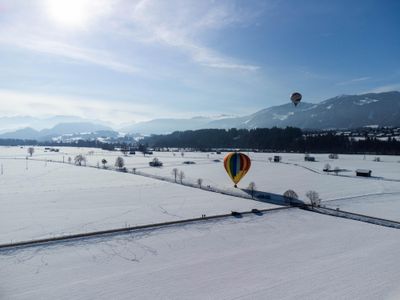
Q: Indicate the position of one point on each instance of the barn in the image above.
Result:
(363, 172)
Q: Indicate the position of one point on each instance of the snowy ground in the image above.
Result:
(290, 254)
(385, 206)
(50, 199)
(293, 173)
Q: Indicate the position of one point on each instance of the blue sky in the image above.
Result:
(125, 61)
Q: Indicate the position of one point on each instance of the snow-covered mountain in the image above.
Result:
(161, 126)
(345, 111)
(76, 129)
(13, 123)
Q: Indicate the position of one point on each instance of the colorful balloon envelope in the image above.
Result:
(296, 98)
(236, 165)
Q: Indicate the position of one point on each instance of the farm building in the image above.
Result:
(363, 173)
(309, 158)
(155, 163)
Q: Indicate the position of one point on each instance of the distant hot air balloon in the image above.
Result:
(296, 98)
(236, 165)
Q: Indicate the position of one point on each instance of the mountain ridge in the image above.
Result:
(340, 112)
(343, 111)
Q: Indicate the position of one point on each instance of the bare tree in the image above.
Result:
(175, 173)
(134, 170)
(314, 198)
(182, 154)
(199, 182)
(251, 188)
(181, 175)
(69, 159)
(270, 159)
(79, 159)
(289, 196)
(104, 162)
(327, 168)
(143, 148)
(119, 162)
(31, 150)
(125, 151)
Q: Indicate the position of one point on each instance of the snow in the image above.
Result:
(291, 254)
(385, 206)
(51, 199)
(310, 108)
(287, 254)
(293, 173)
(365, 101)
(283, 117)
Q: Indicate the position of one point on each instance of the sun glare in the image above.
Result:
(69, 13)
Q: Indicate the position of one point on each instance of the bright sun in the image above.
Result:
(69, 13)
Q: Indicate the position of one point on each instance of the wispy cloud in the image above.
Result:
(41, 105)
(181, 28)
(354, 80)
(44, 45)
(177, 24)
(385, 88)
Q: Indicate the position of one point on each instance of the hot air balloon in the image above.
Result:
(236, 165)
(296, 98)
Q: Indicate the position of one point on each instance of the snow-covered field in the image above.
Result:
(55, 199)
(385, 206)
(290, 254)
(293, 173)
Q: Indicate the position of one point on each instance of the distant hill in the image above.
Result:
(72, 129)
(341, 112)
(167, 125)
(8, 124)
(345, 111)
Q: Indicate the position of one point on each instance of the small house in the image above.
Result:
(277, 158)
(155, 163)
(309, 158)
(363, 173)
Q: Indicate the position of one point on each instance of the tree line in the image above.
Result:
(262, 138)
(288, 139)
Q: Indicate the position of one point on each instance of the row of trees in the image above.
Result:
(262, 138)
(274, 139)
(80, 160)
(291, 196)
